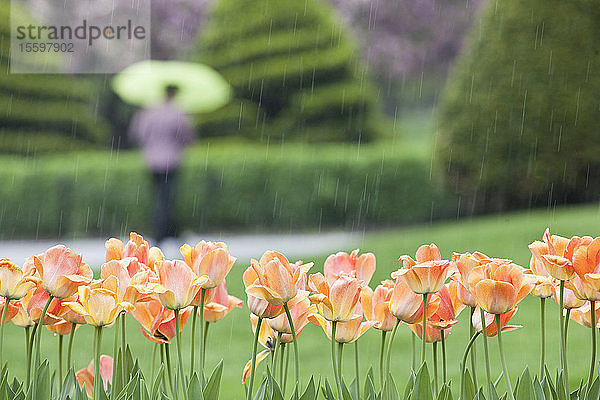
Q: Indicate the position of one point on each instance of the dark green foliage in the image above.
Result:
(521, 114)
(294, 71)
(231, 186)
(42, 112)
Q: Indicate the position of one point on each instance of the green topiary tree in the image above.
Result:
(520, 116)
(45, 113)
(294, 71)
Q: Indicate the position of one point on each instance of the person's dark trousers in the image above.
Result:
(164, 184)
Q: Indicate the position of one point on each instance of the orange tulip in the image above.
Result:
(448, 309)
(363, 266)
(85, 376)
(300, 311)
(428, 273)
(336, 302)
(544, 285)
(276, 279)
(554, 256)
(99, 307)
(21, 317)
(570, 301)
(259, 307)
(490, 322)
(60, 328)
(583, 316)
(36, 301)
(465, 263)
(14, 282)
(11, 312)
(210, 259)
(499, 287)
(221, 304)
(178, 285)
(136, 247)
(407, 306)
(586, 264)
(345, 332)
(61, 271)
(158, 322)
(376, 305)
(129, 288)
(432, 334)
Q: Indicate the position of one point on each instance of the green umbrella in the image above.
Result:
(201, 89)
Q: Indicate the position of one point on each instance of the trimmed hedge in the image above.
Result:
(225, 186)
(295, 67)
(521, 114)
(45, 113)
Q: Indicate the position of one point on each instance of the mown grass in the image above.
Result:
(505, 235)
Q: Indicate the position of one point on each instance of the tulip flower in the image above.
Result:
(301, 311)
(428, 273)
(86, 376)
(259, 307)
(345, 332)
(14, 282)
(61, 271)
(99, 307)
(336, 302)
(362, 266)
(129, 288)
(407, 306)
(158, 322)
(221, 304)
(211, 259)
(177, 285)
(490, 323)
(376, 305)
(136, 247)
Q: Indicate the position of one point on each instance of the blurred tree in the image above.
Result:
(520, 116)
(45, 113)
(294, 71)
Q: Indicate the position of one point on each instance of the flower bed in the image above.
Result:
(57, 289)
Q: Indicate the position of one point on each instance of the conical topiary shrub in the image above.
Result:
(294, 70)
(43, 112)
(520, 117)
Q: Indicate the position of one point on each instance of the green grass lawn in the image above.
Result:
(504, 235)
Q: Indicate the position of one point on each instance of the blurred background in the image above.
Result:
(346, 115)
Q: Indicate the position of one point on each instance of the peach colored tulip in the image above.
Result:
(136, 247)
(14, 282)
(586, 264)
(428, 273)
(22, 317)
(60, 328)
(554, 256)
(570, 301)
(300, 312)
(363, 266)
(155, 255)
(345, 332)
(129, 288)
(499, 287)
(583, 316)
(222, 303)
(210, 259)
(544, 285)
(376, 305)
(99, 307)
(336, 302)
(407, 306)
(259, 307)
(12, 311)
(448, 309)
(465, 263)
(158, 322)
(586, 288)
(86, 375)
(490, 322)
(276, 279)
(36, 301)
(432, 334)
(178, 285)
(61, 271)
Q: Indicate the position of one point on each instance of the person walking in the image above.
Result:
(162, 132)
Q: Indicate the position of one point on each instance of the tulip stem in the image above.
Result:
(179, 378)
(70, 345)
(124, 368)
(296, 360)
(30, 354)
(60, 360)
(339, 363)
(193, 348)
(206, 326)
(473, 349)
(202, 349)
(281, 353)
(333, 361)
(4, 311)
(502, 358)
(424, 329)
(116, 350)
(435, 370)
(443, 357)
(563, 357)
(464, 364)
(38, 338)
(274, 353)
(162, 363)
(254, 345)
(169, 372)
(593, 325)
(413, 361)
(389, 350)
(488, 374)
(543, 336)
(153, 365)
(98, 382)
(357, 366)
(285, 372)
(381, 352)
